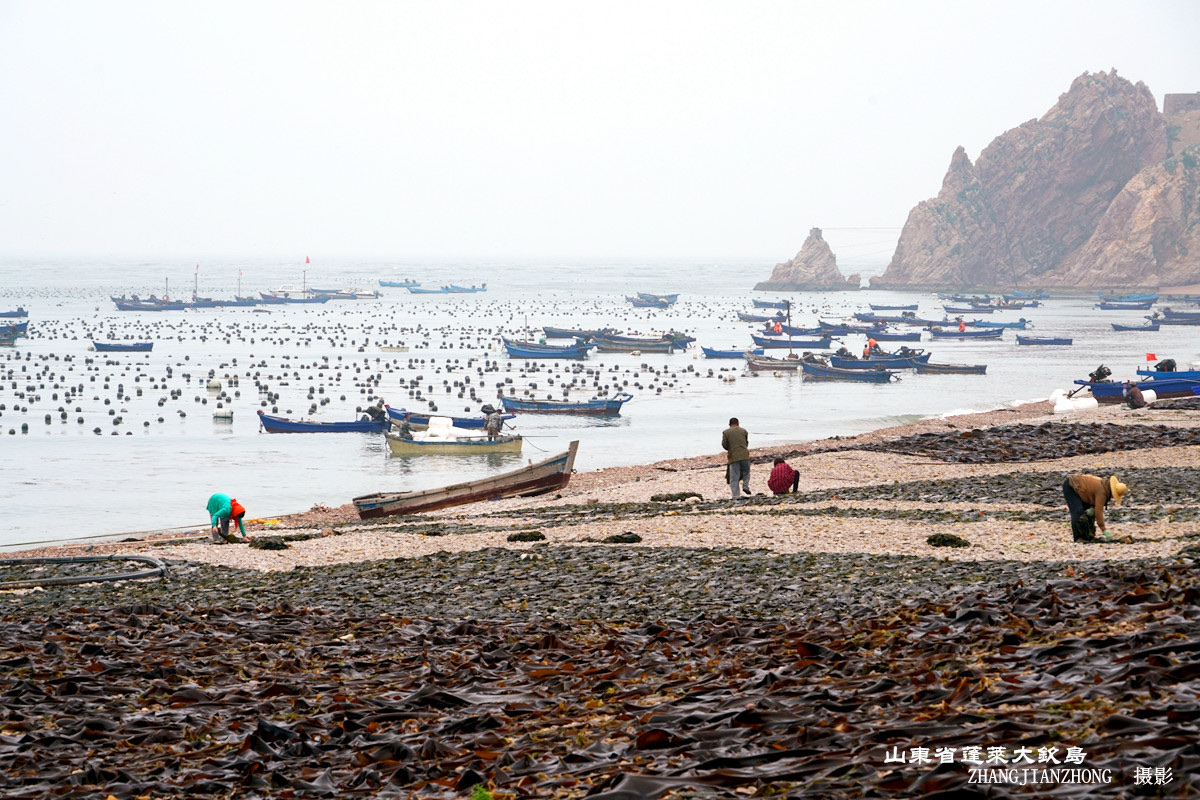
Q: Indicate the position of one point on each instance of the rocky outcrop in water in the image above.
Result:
(814, 269)
(1081, 197)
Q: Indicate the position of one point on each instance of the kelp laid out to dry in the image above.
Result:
(276, 701)
(1018, 443)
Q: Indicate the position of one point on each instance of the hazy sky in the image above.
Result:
(607, 129)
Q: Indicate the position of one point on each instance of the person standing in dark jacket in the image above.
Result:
(735, 441)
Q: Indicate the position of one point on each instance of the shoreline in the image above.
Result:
(589, 508)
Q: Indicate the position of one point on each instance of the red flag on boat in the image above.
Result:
(306, 261)
(1151, 357)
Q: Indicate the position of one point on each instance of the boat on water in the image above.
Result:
(273, 424)
(878, 307)
(900, 359)
(1152, 326)
(1114, 305)
(604, 406)
(573, 333)
(418, 421)
(1019, 325)
(545, 476)
(347, 294)
(14, 329)
(710, 352)
(986, 333)
(1183, 374)
(640, 302)
(947, 369)
(895, 336)
(744, 317)
(817, 368)
(525, 349)
(783, 304)
(968, 309)
(757, 363)
(1164, 388)
(468, 289)
(152, 303)
(20, 312)
(1043, 340)
(393, 348)
(442, 438)
(904, 318)
(612, 343)
(1143, 297)
(122, 347)
(1035, 295)
(666, 298)
(783, 343)
(404, 284)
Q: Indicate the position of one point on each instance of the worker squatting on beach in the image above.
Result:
(221, 509)
(1086, 496)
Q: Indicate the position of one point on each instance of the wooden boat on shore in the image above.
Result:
(418, 421)
(545, 476)
(950, 369)
(122, 347)
(1043, 340)
(393, 348)
(272, 424)
(605, 406)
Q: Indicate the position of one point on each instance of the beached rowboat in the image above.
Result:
(545, 476)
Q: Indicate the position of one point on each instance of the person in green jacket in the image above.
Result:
(735, 441)
(221, 509)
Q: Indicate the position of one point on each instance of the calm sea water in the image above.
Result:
(155, 470)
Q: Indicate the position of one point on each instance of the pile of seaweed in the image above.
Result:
(1050, 440)
(274, 700)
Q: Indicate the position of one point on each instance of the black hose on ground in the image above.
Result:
(158, 568)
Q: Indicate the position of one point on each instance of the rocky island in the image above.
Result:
(814, 269)
(1102, 191)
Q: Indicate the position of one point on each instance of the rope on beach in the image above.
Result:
(157, 568)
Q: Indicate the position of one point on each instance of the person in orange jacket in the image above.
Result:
(1089, 493)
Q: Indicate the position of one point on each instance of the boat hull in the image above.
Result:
(471, 446)
(130, 347)
(988, 333)
(608, 407)
(420, 421)
(273, 424)
(1043, 340)
(1114, 391)
(546, 476)
(951, 369)
(822, 372)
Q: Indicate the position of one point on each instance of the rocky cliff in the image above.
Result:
(1080, 197)
(813, 269)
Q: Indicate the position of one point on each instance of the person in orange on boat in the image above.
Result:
(222, 508)
(962, 326)
(783, 478)
(778, 327)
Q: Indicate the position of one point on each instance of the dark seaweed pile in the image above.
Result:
(614, 672)
(1018, 443)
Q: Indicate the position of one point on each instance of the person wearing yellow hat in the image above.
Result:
(1085, 493)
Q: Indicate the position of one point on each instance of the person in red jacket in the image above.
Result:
(783, 478)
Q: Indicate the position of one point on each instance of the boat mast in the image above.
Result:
(787, 304)
(196, 284)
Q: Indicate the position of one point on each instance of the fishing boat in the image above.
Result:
(440, 290)
(456, 289)
(1114, 305)
(896, 360)
(604, 406)
(1182, 319)
(418, 421)
(442, 438)
(347, 294)
(986, 333)
(894, 336)
(744, 317)
(519, 349)
(122, 347)
(905, 318)
(20, 312)
(666, 298)
(1035, 295)
(14, 328)
(150, 304)
(613, 343)
(1183, 374)
(1019, 325)
(757, 363)
(814, 368)
(781, 304)
(777, 343)
(573, 333)
(272, 424)
(968, 309)
(1164, 388)
(710, 352)
(7, 340)
(1152, 326)
(1127, 298)
(878, 307)
(404, 284)
(639, 302)
(946, 369)
(1043, 340)
(545, 476)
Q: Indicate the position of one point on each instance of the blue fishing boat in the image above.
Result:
(267, 298)
(1019, 325)
(1164, 388)
(1153, 326)
(891, 336)
(604, 406)
(1043, 340)
(783, 304)
(122, 347)
(518, 349)
(782, 342)
(897, 360)
(1113, 305)
(573, 333)
(14, 328)
(1036, 295)
(1183, 374)
(418, 420)
(1182, 319)
(439, 290)
(878, 307)
(616, 343)
(710, 352)
(905, 318)
(273, 424)
(640, 302)
(986, 333)
(665, 298)
(816, 369)
(968, 309)
(20, 312)
(404, 284)
(1171, 313)
(929, 367)
(744, 317)
(472, 289)
(1127, 298)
